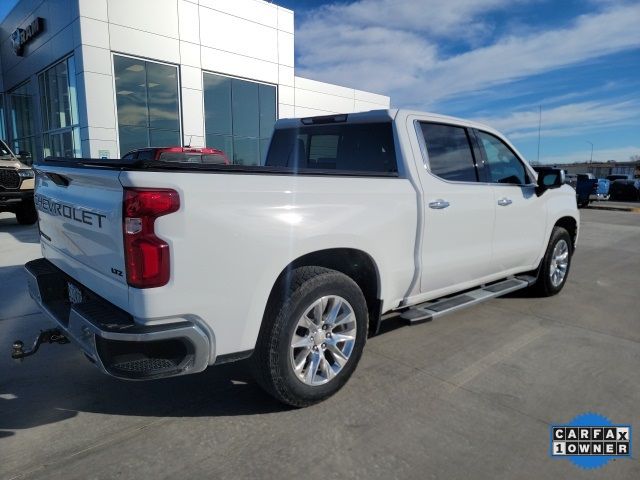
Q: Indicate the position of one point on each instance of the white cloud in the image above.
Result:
(434, 17)
(390, 47)
(569, 119)
(621, 154)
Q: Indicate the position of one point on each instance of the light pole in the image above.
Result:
(591, 159)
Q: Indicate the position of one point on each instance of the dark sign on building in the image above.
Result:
(21, 36)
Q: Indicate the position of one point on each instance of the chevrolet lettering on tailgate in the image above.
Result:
(77, 214)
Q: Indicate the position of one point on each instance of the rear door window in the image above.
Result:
(449, 152)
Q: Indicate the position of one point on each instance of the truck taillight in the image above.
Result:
(147, 257)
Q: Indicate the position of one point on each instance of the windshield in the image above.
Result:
(5, 152)
(190, 157)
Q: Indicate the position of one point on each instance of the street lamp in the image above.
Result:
(591, 160)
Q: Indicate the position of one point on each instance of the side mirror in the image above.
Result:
(24, 154)
(549, 178)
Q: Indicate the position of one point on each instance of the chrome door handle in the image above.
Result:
(439, 204)
(503, 202)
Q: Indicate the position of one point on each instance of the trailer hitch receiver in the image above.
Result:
(53, 335)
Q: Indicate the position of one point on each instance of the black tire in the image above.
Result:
(26, 214)
(544, 286)
(271, 361)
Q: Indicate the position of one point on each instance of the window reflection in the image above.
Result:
(21, 122)
(245, 107)
(147, 101)
(239, 117)
(59, 109)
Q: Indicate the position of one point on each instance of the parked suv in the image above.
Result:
(16, 186)
(618, 176)
(179, 154)
(628, 190)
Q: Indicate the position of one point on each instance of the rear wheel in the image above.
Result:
(312, 340)
(26, 213)
(554, 268)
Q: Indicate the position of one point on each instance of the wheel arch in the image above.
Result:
(354, 263)
(570, 224)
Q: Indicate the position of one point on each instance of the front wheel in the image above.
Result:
(312, 340)
(554, 268)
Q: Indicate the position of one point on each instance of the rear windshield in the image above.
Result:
(190, 157)
(339, 148)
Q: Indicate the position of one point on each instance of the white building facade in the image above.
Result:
(97, 78)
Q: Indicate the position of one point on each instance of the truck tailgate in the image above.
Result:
(80, 220)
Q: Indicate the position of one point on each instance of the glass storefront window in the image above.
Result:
(239, 117)
(3, 130)
(147, 101)
(59, 108)
(23, 140)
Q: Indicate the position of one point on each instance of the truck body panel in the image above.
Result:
(238, 228)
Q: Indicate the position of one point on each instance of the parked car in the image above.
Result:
(602, 190)
(625, 190)
(179, 154)
(16, 185)
(165, 271)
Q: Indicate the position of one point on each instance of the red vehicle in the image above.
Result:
(179, 154)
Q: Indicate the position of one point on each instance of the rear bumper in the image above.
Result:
(14, 198)
(109, 336)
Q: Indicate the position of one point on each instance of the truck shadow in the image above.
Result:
(22, 233)
(51, 391)
(58, 383)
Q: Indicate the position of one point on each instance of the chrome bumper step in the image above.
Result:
(425, 312)
(109, 336)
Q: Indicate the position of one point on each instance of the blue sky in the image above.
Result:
(491, 60)
(5, 7)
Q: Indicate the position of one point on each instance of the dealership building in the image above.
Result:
(97, 78)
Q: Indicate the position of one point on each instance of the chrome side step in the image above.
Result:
(425, 312)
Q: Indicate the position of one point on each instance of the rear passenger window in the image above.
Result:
(449, 152)
(502, 164)
(342, 147)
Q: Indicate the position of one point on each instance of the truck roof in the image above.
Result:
(373, 116)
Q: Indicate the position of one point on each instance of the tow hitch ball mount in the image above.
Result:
(46, 336)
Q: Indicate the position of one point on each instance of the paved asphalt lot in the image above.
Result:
(468, 396)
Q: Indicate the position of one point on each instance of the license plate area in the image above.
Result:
(74, 294)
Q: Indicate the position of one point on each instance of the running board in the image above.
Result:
(425, 312)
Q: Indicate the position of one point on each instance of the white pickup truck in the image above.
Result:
(158, 269)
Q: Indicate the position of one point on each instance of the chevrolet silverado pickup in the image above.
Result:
(16, 186)
(156, 269)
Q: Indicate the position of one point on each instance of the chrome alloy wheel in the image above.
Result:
(323, 340)
(559, 263)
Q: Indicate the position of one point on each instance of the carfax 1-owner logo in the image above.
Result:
(590, 440)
